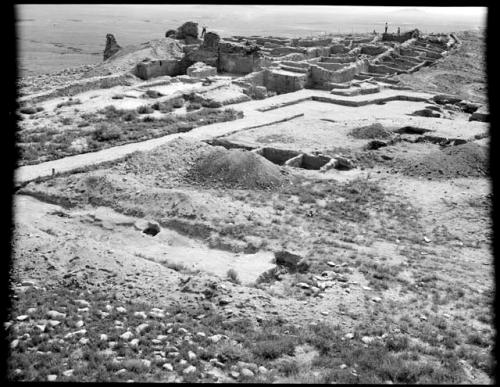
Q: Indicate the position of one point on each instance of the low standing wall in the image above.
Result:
(321, 76)
(157, 68)
(124, 79)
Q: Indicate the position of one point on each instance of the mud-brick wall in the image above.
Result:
(338, 49)
(321, 77)
(284, 83)
(314, 52)
(311, 42)
(157, 68)
(256, 78)
(279, 51)
(238, 63)
(332, 66)
(338, 59)
(123, 79)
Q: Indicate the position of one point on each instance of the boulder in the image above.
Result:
(112, 47)
(187, 29)
(468, 107)
(170, 34)
(480, 115)
(426, 113)
(444, 99)
(291, 260)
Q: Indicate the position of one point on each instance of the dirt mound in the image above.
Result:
(127, 57)
(177, 155)
(237, 168)
(467, 160)
(375, 130)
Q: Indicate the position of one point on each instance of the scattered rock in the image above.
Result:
(51, 378)
(189, 370)
(247, 373)
(139, 329)
(367, 339)
(53, 314)
(141, 314)
(127, 335)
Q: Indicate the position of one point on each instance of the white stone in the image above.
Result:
(68, 373)
(83, 340)
(103, 337)
(22, 317)
(168, 367)
(134, 342)
(51, 378)
(367, 339)
(139, 329)
(141, 314)
(127, 335)
(121, 309)
(54, 314)
(189, 370)
(247, 373)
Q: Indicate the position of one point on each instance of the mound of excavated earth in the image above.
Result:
(237, 168)
(127, 57)
(467, 160)
(375, 130)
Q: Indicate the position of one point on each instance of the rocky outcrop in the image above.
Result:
(170, 33)
(189, 32)
(112, 47)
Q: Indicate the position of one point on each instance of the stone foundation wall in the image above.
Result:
(311, 42)
(337, 59)
(338, 49)
(78, 87)
(284, 83)
(238, 64)
(157, 68)
(331, 66)
(321, 76)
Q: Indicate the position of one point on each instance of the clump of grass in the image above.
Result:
(232, 276)
(193, 106)
(478, 340)
(153, 94)
(69, 102)
(145, 109)
(66, 120)
(274, 347)
(106, 133)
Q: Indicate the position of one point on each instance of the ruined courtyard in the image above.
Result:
(256, 209)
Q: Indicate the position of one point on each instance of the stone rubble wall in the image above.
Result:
(321, 76)
(123, 79)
